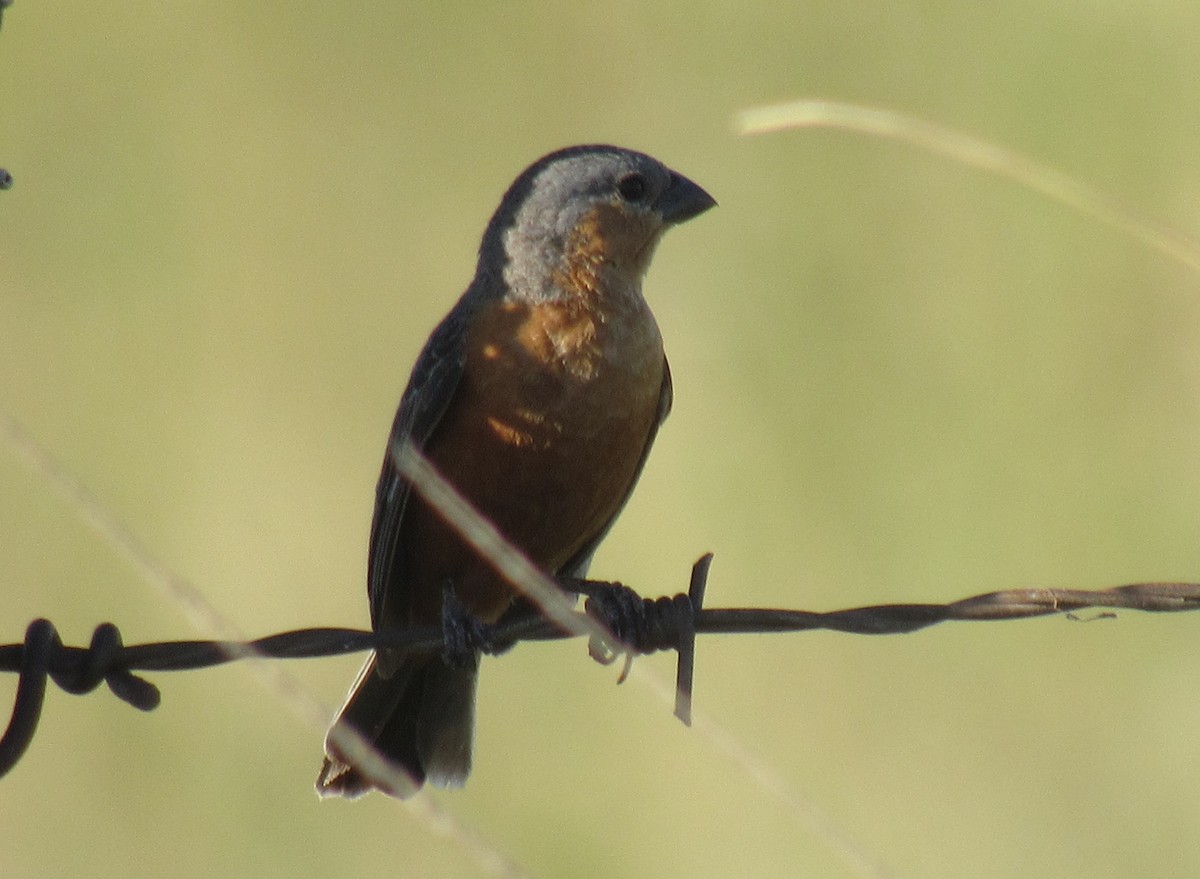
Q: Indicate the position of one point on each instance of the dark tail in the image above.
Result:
(421, 719)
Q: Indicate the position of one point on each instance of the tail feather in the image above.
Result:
(446, 723)
(421, 719)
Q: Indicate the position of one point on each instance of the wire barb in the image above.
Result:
(647, 625)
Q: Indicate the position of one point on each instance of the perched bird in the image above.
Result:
(538, 397)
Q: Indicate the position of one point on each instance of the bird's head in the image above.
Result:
(586, 220)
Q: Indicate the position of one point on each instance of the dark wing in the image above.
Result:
(430, 388)
(577, 565)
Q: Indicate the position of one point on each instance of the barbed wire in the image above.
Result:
(637, 625)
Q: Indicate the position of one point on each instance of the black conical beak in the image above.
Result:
(682, 200)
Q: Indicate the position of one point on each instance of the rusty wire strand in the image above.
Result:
(639, 626)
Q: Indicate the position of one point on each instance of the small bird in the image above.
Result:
(538, 397)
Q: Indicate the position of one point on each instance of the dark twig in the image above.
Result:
(640, 625)
(5, 178)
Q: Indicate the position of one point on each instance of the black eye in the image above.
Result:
(632, 187)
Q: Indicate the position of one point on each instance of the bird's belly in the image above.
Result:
(544, 441)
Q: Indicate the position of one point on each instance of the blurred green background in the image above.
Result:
(897, 379)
